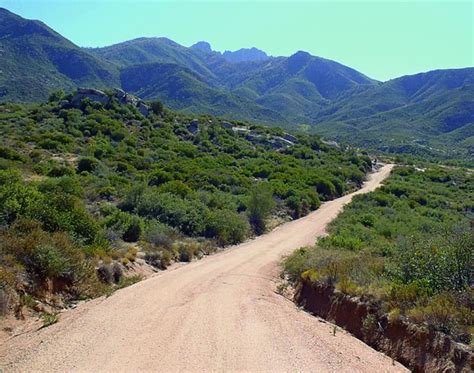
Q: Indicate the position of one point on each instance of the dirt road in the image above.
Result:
(217, 314)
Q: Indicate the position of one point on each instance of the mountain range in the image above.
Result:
(427, 113)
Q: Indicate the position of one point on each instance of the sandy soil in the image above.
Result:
(218, 314)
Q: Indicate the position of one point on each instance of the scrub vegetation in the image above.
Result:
(409, 245)
(86, 191)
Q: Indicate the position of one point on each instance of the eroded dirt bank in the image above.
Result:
(218, 314)
(418, 348)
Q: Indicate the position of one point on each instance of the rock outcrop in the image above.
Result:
(203, 46)
(104, 98)
(193, 126)
(258, 138)
(91, 94)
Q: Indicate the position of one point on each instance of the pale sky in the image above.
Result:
(382, 39)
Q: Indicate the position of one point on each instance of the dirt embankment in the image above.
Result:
(418, 348)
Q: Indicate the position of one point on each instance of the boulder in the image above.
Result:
(90, 93)
(193, 126)
(291, 138)
(284, 141)
(134, 123)
(43, 308)
(227, 125)
(119, 93)
(143, 109)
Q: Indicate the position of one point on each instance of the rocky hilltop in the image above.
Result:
(104, 98)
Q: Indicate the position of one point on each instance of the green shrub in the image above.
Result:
(260, 206)
(157, 107)
(129, 227)
(445, 313)
(297, 263)
(59, 171)
(48, 262)
(42, 254)
(345, 242)
(133, 197)
(406, 295)
(187, 251)
(186, 215)
(325, 188)
(227, 227)
(49, 319)
(367, 220)
(87, 164)
(11, 154)
(134, 230)
(159, 234)
(159, 177)
(107, 192)
(158, 258)
(176, 187)
(369, 326)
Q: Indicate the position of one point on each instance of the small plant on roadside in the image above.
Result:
(369, 325)
(49, 319)
(282, 287)
(27, 301)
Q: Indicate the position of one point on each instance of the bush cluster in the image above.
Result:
(92, 180)
(409, 244)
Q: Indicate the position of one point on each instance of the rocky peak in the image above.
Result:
(203, 46)
(245, 54)
(298, 60)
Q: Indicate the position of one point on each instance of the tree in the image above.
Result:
(157, 107)
(260, 205)
(56, 96)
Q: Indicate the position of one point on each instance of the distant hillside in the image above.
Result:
(185, 90)
(280, 89)
(148, 50)
(245, 83)
(426, 114)
(36, 60)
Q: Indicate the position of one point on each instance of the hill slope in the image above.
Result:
(428, 114)
(36, 60)
(87, 180)
(296, 87)
(183, 89)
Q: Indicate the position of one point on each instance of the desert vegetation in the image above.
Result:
(85, 190)
(408, 245)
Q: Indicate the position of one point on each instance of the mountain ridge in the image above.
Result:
(429, 112)
(40, 60)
